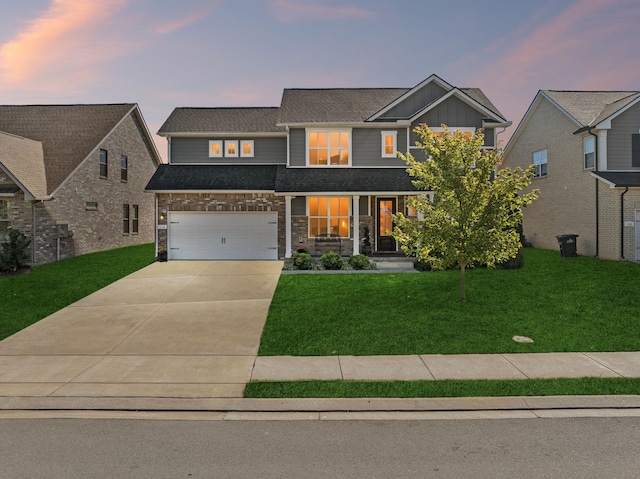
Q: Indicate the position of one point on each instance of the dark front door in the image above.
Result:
(386, 207)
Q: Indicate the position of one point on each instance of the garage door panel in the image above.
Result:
(206, 235)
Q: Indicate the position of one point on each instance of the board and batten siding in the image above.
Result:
(415, 102)
(452, 112)
(619, 139)
(297, 141)
(196, 150)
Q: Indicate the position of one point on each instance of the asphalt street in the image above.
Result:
(541, 448)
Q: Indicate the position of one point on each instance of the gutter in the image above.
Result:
(595, 166)
(626, 189)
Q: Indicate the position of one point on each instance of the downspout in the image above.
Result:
(595, 165)
(622, 222)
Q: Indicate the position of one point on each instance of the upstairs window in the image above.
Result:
(389, 146)
(468, 132)
(328, 148)
(589, 152)
(540, 160)
(329, 216)
(246, 148)
(124, 165)
(231, 148)
(103, 163)
(215, 149)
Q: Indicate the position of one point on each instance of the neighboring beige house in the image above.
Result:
(72, 177)
(586, 148)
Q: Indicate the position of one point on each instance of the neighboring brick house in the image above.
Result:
(72, 177)
(586, 148)
(312, 173)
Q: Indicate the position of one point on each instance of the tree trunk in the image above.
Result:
(463, 295)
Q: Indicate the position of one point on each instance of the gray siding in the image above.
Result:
(415, 102)
(196, 150)
(367, 147)
(619, 139)
(297, 140)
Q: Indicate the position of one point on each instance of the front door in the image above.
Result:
(386, 207)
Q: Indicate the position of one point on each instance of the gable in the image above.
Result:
(23, 161)
(412, 104)
(68, 133)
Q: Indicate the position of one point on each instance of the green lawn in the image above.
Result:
(28, 298)
(564, 304)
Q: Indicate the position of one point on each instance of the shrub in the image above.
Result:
(332, 260)
(13, 252)
(301, 261)
(359, 261)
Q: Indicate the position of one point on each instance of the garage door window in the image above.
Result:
(329, 216)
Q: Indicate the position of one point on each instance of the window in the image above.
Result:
(103, 163)
(134, 219)
(540, 160)
(123, 168)
(231, 148)
(468, 132)
(91, 206)
(389, 148)
(215, 149)
(411, 211)
(125, 219)
(328, 148)
(329, 216)
(589, 152)
(5, 219)
(246, 148)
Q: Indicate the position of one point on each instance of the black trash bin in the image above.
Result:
(568, 247)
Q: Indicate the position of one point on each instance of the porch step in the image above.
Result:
(394, 265)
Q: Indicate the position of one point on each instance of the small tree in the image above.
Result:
(474, 213)
(13, 252)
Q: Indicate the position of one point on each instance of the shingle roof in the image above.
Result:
(620, 179)
(68, 132)
(334, 104)
(278, 178)
(25, 161)
(591, 107)
(224, 120)
(478, 95)
(213, 177)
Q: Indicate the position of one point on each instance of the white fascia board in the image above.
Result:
(349, 193)
(209, 192)
(433, 78)
(605, 181)
(216, 134)
(525, 119)
(27, 193)
(349, 124)
(541, 92)
(462, 96)
(606, 123)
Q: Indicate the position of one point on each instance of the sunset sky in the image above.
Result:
(163, 54)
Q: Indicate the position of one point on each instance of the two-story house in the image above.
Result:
(72, 177)
(586, 148)
(259, 183)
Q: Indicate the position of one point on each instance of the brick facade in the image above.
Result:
(93, 230)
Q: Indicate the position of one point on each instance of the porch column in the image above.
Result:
(356, 224)
(287, 233)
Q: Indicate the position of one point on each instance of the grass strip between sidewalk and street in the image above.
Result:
(28, 298)
(443, 389)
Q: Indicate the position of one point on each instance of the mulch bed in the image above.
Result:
(19, 271)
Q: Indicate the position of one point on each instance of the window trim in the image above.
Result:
(329, 216)
(227, 144)
(242, 144)
(104, 163)
(124, 172)
(546, 162)
(585, 152)
(452, 129)
(220, 148)
(125, 219)
(308, 132)
(394, 135)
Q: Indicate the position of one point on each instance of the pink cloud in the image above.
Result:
(290, 11)
(188, 19)
(59, 40)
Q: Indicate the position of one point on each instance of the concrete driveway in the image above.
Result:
(177, 329)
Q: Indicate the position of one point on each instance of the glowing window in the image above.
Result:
(246, 148)
(329, 216)
(231, 148)
(389, 147)
(215, 149)
(328, 148)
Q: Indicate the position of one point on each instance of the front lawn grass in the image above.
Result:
(563, 304)
(443, 389)
(26, 299)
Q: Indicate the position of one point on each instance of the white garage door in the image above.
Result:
(220, 235)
